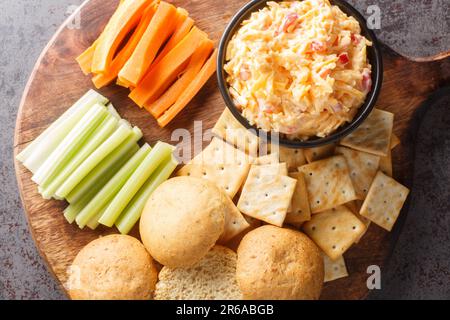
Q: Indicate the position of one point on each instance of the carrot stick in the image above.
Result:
(182, 29)
(85, 59)
(103, 79)
(194, 87)
(126, 17)
(161, 75)
(196, 62)
(160, 28)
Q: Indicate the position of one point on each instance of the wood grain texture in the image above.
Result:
(57, 82)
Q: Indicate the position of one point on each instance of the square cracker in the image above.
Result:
(319, 153)
(235, 223)
(395, 141)
(354, 207)
(334, 231)
(220, 163)
(334, 269)
(328, 183)
(294, 158)
(373, 135)
(384, 201)
(230, 130)
(363, 168)
(271, 158)
(386, 164)
(266, 196)
(299, 210)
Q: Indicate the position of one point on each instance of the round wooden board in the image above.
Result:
(57, 82)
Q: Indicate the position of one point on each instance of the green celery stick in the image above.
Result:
(70, 145)
(101, 133)
(113, 111)
(35, 154)
(134, 209)
(135, 182)
(94, 159)
(108, 167)
(93, 223)
(112, 187)
(101, 178)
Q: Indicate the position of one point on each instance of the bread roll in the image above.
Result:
(113, 267)
(182, 221)
(276, 263)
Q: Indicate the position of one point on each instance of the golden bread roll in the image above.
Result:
(182, 221)
(279, 264)
(114, 267)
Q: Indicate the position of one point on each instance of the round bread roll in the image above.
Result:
(114, 267)
(279, 264)
(182, 220)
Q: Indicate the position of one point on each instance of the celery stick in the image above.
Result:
(94, 159)
(93, 223)
(134, 209)
(107, 167)
(35, 154)
(113, 111)
(112, 187)
(101, 133)
(101, 178)
(70, 145)
(135, 182)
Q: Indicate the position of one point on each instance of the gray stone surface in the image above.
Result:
(25, 28)
(420, 265)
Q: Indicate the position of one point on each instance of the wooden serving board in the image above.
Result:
(57, 82)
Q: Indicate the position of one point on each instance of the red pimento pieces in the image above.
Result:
(290, 22)
(245, 73)
(356, 39)
(343, 58)
(367, 80)
(318, 46)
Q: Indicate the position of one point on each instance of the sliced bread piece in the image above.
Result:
(213, 278)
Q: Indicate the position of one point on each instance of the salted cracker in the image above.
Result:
(384, 201)
(299, 210)
(355, 206)
(363, 168)
(319, 153)
(373, 135)
(266, 196)
(220, 163)
(334, 231)
(328, 183)
(395, 141)
(294, 158)
(235, 223)
(334, 269)
(271, 158)
(230, 130)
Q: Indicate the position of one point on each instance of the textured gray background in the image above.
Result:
(417, 270)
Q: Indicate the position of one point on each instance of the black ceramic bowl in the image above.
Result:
(374, 55)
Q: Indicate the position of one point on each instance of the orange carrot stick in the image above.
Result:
(182, 29)
(126, 17)
(160, 28)
(85, 59)
(207, 71)
(103, 79)
(196, 62)
(161, 75)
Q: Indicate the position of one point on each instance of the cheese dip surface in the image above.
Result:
(299, 68)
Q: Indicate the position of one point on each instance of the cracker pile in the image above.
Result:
(332, 193)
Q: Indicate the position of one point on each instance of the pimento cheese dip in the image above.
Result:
(299, 68)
